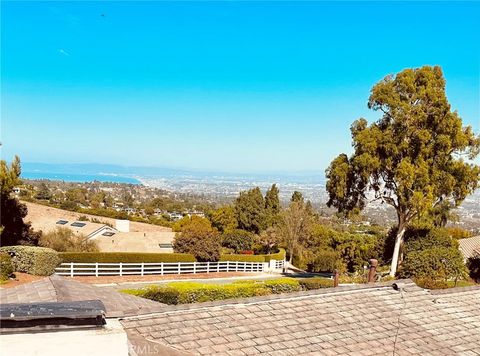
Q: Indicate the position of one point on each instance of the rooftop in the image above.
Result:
(470, 246)
(61, 289)
(355, 320)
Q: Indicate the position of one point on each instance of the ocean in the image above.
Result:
(70, 177)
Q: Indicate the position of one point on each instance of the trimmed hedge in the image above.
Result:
(280, 255)
(6, 266)
(39, 261)
(193, 292)
(315, 283)
(137, 257)
(243, 258)
(125, 257)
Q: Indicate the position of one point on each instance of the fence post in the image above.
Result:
(96, 269)
(228, 266)
(121, 269)
(71, 269)
(208, 267)
(218, 266)
(161, 268)
(236, 266)
(335, 278)
(142, 269)
(179, 267)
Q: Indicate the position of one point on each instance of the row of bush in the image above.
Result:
(192, 292)
(133, 257)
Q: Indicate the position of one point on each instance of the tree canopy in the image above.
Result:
(14, 230)
(414, 158)
(250, 210)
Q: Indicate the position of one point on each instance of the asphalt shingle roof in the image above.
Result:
(358, 320)
(470, 247)
(62, 289)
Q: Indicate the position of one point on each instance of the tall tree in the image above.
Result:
(223, 219)
(295, 224)
(14, 231)
(272, 205)
(297, 196)
(412, 158)
(250, 210)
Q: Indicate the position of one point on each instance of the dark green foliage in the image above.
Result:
(238, 240)
(199, 239)
(6, 266)
(280, 255)
(325, 261)
(272, 205)
(125, 257)
(242, 258)
(436, 263)
(473, 265)
(223, 219)
(315, 283)
(297, 197)
(13, 230)
(282, 285)
(39, 261)
(250, 211)
(43, 192)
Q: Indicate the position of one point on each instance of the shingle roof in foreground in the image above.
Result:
(63, 289)
(358, 320)
(470, 247)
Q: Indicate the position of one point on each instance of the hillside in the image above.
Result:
(43, 218)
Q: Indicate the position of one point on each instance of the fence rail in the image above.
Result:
(141, 269)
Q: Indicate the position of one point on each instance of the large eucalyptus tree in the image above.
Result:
(417, 156)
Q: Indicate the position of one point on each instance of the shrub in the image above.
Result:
(63, 239)
(430, 283)
(6, 266)
(238, 240)
(437, 263)
(473, 265)
(315, 283)
(282, 285)
(40, 261)
(325, 261)
(199, 239)
(126, 257)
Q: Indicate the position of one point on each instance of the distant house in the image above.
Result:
(89, 229)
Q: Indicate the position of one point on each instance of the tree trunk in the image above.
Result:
(396, 250)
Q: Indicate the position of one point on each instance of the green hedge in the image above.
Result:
(39, 261)
(125, 257)
(6, 266)
(315, 283)
(193, 292)
(243, 258)
(280, 255)
(132, 257)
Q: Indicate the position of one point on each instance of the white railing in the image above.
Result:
(141, 269)
(279, 264)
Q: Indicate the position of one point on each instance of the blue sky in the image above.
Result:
(226, 86)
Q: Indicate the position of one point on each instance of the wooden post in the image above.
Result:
(71, 269)
(236, 266)
(161, 268)
(121, 269)
(335, 277)
(142, 269)
(208, 267)
(373, 270)
(194, 267)
(96, 269)
(179, 267)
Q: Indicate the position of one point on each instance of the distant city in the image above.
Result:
(225, 185)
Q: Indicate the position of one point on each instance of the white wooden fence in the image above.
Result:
(162, 268)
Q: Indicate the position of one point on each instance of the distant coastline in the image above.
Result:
(81, 178)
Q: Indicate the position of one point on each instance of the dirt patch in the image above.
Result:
(20, 278)
(123, 279)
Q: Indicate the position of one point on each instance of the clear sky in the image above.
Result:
(226, 86)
